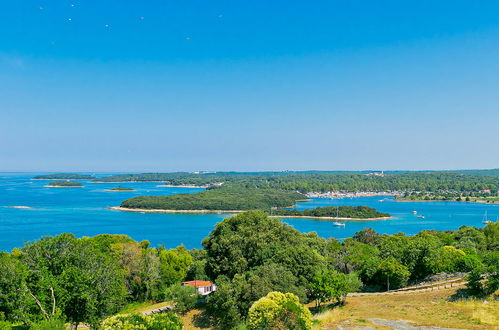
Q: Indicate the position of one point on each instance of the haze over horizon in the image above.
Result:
(229, 85)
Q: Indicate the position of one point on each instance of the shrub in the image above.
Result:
(279, 311)
(168, 321)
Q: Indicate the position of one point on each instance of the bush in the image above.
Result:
(168, 321)
(279, 311)
(185, 298)
(49, 325)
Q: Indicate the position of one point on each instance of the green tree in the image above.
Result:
(392, 273)
(173, 266)
(279, 311)
(332, 285)
(229, 304)
(69, 277)
(15, 304)
(252, 239)
(184, 298)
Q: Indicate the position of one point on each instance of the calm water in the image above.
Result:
(82, 211)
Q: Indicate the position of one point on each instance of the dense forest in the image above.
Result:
(64, 176)
(65, 184)
(359, 212)
(261, 266)
(304, 182)
(223, 198)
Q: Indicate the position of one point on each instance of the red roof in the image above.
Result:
(197, 283)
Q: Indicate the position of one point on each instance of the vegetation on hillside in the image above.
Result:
(64, 176)
(65, 184)
(65, 279)
(224, 198)
(430, 182)
(358, 212)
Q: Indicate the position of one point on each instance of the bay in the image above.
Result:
(83, 212)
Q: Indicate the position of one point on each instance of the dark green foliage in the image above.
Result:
(183, 297)
(252, 239)
(72, 278)
(224, 198)
(361, 212)
(391, 272)
(197, 269)
(330, 285)
(64, 176)
(429, 182)
(65, 184)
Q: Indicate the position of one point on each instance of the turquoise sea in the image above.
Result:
(83, 211)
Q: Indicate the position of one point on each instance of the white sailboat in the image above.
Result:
(486, 218)
(336, 223)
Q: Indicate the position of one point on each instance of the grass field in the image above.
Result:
(434, 308)
(425, 308)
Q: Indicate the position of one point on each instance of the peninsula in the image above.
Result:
(64, 176)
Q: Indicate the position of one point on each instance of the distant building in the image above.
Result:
(382, 173)
(204, 287)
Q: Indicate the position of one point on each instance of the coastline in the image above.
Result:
(181, 186)
(125, 209)
(334, 194)
(331, 218)
(49, 186)
(441, 200)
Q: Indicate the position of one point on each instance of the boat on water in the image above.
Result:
(414, 212)
(486, 218)
(338, 224)
(421, 216)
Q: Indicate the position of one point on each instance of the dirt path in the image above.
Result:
(447, 284)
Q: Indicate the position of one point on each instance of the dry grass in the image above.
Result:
(484, 312)
(425, 308)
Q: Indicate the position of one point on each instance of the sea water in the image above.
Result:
(84, 212)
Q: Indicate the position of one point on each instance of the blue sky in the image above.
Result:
(121, 85)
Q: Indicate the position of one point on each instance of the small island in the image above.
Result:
(222, 199)
(64, 176)
(351, 213)
(63, 184)
(120, 188)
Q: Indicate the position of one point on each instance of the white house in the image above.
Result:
(204, 287)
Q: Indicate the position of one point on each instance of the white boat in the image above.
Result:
(338, 224)
(486, 218)
(414, 212)
(421, 216)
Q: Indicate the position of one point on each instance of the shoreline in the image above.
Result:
(49, 186)
(180, 186)
(125, 209)
(338, 195)
(331, 218)
(441, 200)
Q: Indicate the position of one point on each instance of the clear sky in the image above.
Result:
(166, 85)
